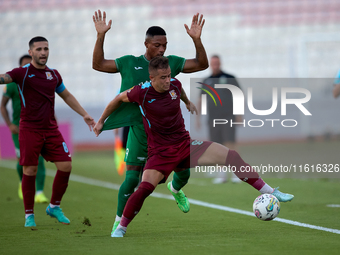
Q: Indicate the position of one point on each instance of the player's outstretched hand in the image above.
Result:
(98, 128)
(191, 107)
(89, 121)
(197, 23)
(100, 22)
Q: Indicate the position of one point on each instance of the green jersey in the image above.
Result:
(134, 70)
(11, 91)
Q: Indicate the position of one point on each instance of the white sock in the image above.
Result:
(28, 214)
(53, 206)
(172, 188)
(118, 218)
(121, 227)
(38, 192)
(266, 189)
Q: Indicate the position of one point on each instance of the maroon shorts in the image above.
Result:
(182, 155)
(50, 144)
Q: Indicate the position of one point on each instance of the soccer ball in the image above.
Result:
(266, 207)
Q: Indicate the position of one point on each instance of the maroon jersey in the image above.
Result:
(162, 116)
(37, 89)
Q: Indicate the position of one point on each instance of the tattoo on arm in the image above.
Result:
(5, 78)
(184, 97)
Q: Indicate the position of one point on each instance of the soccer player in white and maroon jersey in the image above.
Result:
(170, 145)
(38, 129)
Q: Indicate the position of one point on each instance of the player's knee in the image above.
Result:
(64, 166)
(68, 167)
(30, 170)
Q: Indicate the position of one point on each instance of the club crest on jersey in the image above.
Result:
(49, 76)
(173, 94)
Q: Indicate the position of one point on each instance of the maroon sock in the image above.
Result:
(243, 170)
(28, 192)
(135, 202)
(60, 184)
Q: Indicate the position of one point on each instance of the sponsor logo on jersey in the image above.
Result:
(138, 67)
(173, 94)
(151, 101)
(31, 75)
(49, 76)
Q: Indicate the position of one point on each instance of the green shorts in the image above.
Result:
(15, 138)
(136, 146)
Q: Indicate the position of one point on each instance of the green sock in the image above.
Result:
(19, 170)
(180, 179)
(40, 179)
(126, 189)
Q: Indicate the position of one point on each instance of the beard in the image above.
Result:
(39, 61)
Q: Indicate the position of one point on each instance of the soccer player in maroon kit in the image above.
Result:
(170, 145)
(39, 132)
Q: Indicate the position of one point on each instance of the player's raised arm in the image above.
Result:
(73, 103)
(201, 61)
(190, 106)
(5, 78)
(110, 108)
(99, 63)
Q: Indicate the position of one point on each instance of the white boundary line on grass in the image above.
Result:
(333, 205)
(109, 185)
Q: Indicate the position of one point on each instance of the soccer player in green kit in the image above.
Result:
(134, 70)
(11, 93)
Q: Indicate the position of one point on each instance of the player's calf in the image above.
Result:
(252, 177)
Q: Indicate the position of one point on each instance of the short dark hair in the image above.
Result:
(153, 31)
(215, 56)
(158, 63)
(23, 57)
(36, 39)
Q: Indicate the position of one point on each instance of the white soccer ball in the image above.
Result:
(266, 207)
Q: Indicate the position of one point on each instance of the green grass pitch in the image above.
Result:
(161, 228)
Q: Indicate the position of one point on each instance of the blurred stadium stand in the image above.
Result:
(256, 39)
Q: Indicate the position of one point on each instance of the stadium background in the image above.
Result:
(262, 39)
